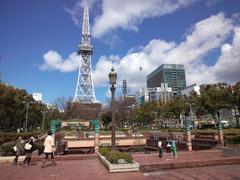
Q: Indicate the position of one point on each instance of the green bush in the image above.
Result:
(39, 147)
(137, 149)
(12, 136)
(7, 149)
(114, 156)
(233, 139)
(104, 150)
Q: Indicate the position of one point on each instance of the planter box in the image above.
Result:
(118, 167)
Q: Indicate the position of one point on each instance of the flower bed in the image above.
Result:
(117, 161)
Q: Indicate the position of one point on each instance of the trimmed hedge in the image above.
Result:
(114, 156)
(7, 148)
(104, 150)
(233, 139)
(12, 136)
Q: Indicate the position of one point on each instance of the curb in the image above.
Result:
(7, 159)
(157, 167)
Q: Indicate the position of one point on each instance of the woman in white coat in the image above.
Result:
(49, 149)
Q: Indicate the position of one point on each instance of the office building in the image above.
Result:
(162, 94)
(172, 74)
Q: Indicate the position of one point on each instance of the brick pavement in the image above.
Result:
(89, 167)
(222, 172)
(151, 162)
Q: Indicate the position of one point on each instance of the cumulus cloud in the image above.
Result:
(228, 64)
(214, 32)
(205, 36)
(127, 14)
(54, 61)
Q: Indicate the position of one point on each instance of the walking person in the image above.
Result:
(169, 149)
(49, 149)
(28, 151)
(18, 148)
(160, 148)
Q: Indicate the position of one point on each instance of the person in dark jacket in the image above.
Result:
(19, 149)
(28, 152)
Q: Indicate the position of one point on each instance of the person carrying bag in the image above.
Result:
(18, 148)
(28, 151)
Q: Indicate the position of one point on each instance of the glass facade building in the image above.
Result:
(172, 74)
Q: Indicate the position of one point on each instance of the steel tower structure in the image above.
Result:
(84, 92)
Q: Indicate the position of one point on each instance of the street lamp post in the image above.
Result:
(188, 131)
(26, 117)
(155, 118)
(112, 79)
(43, 123)
(220, 130)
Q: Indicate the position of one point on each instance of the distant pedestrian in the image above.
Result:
(169, 146)
(160, 149)
(18, 148)
(174, 148)
(28, 151)
(49, 149)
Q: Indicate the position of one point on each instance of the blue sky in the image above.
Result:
(39, 38)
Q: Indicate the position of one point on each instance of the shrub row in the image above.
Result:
(12, 136)
(104, 151)
(7, 148)
(114, 156)
(232, 139)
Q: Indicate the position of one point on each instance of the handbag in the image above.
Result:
(27, 146)
(15, 148)
(54, 149)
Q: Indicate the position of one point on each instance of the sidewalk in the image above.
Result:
(151, 162)
(89, 167)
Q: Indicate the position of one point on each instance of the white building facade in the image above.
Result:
(192, 88)
(163, 94)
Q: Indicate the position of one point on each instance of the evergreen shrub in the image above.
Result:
(104, 150)
(114, 156)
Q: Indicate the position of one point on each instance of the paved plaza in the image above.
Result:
(90, 167)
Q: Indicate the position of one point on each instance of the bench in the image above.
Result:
(203, 141)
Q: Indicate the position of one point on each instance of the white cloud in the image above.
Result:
(127, 14)
(54, 61)
(103, 67)
(227, 67)
(206, 35)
